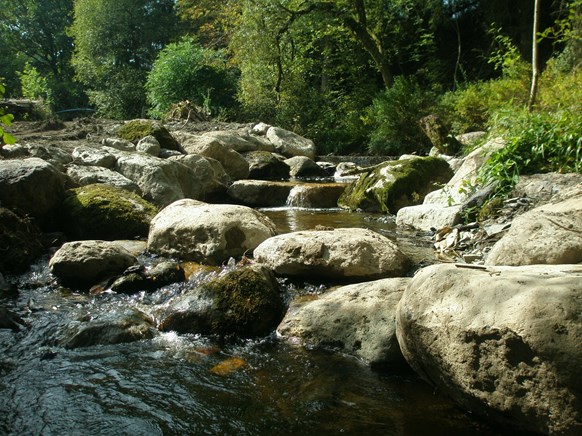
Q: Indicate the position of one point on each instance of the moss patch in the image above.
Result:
(396, 184)
(105, 212)
(137, 129)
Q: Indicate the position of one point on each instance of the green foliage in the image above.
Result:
(34, 85)
(5, 121)
(34, 31)
(394, 117)
(116, 44)
(187, 71)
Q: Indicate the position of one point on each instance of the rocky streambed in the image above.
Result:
(163, 250)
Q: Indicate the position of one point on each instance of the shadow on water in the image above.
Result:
(188, 384)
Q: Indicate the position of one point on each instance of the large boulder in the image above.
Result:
(163, 181)
(32, 186)
(244, 302)
(340, 254)
(235, 165)
(20, 242)
(86, 262)
(503, 342)
(290, 144)
(106, 212)
(357, 319)
(192, 230)
(82, 175)
(260, 193)
(395, 184)
(549, 234)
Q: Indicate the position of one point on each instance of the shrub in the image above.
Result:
(187, 71)
(394, 117)
(5, 121)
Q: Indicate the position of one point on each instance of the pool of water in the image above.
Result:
(190, 384)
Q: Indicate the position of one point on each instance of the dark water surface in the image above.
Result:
(186, 384)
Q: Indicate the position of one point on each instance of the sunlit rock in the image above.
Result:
(502, 342)
(207, 233)
(549, 234)
(86, 262)
(341, 254)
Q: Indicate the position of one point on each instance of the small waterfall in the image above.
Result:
(298, 196)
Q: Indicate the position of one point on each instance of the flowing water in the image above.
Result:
(187, 384)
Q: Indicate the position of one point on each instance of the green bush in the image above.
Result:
(394, 119)
(5, 121)
(187, 71)
(537, 142)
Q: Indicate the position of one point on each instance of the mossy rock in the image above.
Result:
(20, 242)
(245, 302)
(393, 185)
(106, 212)
(135, 130)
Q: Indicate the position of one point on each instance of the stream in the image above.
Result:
(190, 384)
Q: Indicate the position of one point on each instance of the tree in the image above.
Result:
(35, 30)
(116, 44)
(187, 71)
(534, 57)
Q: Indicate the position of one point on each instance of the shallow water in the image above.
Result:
(187, 384)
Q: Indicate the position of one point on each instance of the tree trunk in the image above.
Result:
(534, 57)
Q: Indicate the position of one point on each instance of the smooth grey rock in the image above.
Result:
(241, 140)
(260, 193)
(119, 144)
(428, 216)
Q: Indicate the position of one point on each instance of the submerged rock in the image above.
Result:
(341, 254)
(245, 302)
(395, 184)
(207, 233)
(357, 319)
(106, 212)
(86, 262)
(502, 342)
(110, 328)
